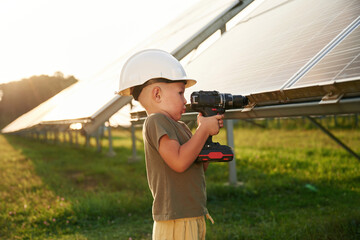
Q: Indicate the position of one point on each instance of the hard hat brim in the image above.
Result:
(127, 91)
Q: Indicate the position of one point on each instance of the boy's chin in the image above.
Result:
(176, 118)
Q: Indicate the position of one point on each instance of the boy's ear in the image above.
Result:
(156, 93)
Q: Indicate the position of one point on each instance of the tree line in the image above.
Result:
(19, 97)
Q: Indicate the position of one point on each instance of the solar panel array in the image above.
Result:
(282, 50)
(266, 50)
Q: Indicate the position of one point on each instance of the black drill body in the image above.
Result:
(211, 103)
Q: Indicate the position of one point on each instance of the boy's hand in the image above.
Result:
(211, 124)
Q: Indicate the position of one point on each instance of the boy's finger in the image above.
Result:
(219, 116)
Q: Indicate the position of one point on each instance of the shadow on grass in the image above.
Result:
(82, 193)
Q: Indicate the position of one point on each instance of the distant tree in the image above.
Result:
(21, 96)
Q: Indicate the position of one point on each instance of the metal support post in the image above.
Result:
(98, 140)
(111, 152)
(70, 137)
(230, 143)
(334, 138)
(356, 120)
(51, 136)
(87, 140)
(64, 135)
(77, 138)
(56, 140)
(134, 157)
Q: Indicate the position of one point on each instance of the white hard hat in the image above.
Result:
(151, 64)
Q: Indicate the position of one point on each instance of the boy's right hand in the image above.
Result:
(211, 124)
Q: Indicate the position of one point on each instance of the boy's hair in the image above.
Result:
(135, 92)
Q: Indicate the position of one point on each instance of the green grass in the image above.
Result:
(295, 184)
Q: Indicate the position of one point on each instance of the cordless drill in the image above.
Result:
(211, 103)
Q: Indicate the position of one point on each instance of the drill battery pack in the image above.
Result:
(216, 152)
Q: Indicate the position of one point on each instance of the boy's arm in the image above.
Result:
(180, 157)
(205, 165)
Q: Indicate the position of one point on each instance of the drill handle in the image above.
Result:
(208, 141)
(210, 111)
(206, 112)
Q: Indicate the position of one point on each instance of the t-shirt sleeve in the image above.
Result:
(157, 126)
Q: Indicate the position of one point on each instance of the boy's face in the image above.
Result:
(173, 100)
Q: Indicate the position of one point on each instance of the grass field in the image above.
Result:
(294, 184)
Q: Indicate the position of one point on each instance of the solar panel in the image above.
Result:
(342, 63)
(265, 50)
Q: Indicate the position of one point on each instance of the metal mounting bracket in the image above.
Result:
(249, 107)
(331, 98)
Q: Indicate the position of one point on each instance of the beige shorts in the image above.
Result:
(181, 229)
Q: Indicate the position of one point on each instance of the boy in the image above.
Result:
(158, 81)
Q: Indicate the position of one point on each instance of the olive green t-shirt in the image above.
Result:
(176, 195)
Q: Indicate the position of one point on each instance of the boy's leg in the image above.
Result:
(180, 229)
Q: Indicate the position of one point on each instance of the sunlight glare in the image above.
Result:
(75, 37)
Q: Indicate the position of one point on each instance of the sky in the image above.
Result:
(75, 37)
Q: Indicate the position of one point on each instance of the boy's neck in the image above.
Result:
(149, 112)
